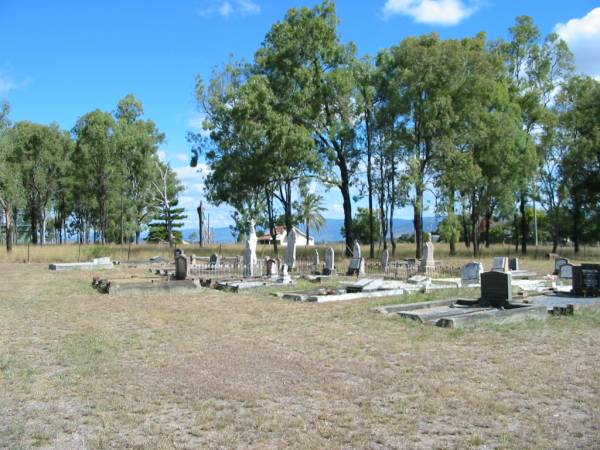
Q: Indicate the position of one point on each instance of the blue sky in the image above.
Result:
(60, 59)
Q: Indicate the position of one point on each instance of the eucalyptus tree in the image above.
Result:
(311, 73)
(96, 159)
(41, 153)
(418, 82)
(11, 190)
(167, 214)
(579, 137)
(137, 144)
(536, 67)
(260, 153)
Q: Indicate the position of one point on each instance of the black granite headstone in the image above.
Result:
(496, 289)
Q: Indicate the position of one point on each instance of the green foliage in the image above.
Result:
(360, 224)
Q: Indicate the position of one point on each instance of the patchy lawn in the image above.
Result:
(79, 369)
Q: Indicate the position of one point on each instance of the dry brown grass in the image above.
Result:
(80, 369)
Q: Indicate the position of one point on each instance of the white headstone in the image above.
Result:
(357, 263)
(285, 277)
(250, 252)
(316, 260)
(291, 249)
(385, 259)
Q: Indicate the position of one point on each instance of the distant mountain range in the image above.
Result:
(329, 233)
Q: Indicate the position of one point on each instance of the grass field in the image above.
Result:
(79, 369)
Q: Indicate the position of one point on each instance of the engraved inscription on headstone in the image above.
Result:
(566, 271)
(471, 273)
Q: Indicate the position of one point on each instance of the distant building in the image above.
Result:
(281, 238)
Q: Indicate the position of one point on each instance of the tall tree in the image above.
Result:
(97, 161)
(310, 210)
(11, 191)
(311, 74)
(167, 212)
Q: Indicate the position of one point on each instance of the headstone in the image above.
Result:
(586, 279)
(103, 260)
(566, 271)
(291, 249)
(272, 268)
(357, 263)
(250, 252)
(329, 262)
(215, 261)
(471, 273)
(385, 259)
(285, 277)
(500, 264)
(316, 260)
(427, 261)
(496, 289)
(558, 262)
(182, 266)
(513, 264)
(178, 252)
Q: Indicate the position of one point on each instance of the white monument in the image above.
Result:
(427, 261)
(385, 259)
(357, 263)
(250, 252)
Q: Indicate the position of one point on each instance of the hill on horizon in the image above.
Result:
(330, 233)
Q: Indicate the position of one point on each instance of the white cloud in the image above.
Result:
(162, 155)
(583, 37)
(432, 12)
(182, 157)
(226, 8)
(196, 121)
(6, 84)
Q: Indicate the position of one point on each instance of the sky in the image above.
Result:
(61, 59)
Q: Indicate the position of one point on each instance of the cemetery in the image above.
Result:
(303, 224)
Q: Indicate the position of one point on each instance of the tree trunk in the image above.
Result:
(488, 218)
(43, 226)
(9, 230)
(33, 219)
(463, 220)
(516, 227)
(382, 216)
(524, 223)
(418, 221)
(347, 203)
(137, 237)
(288, 206)
(576, 222)
(271, 218)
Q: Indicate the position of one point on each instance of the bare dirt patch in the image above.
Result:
(79, 369)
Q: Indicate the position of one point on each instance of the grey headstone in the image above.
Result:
(427, 260)
(215, 261)
(272, 268)
(291, 249)
(329, 262)
(566, 271)
(500, 264)
(182, 267)
(316, 260)
(496, 288)
(178, 252)
(558, 263)
(471, 273)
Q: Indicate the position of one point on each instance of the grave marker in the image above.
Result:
(471, 273)
(182, 266)
(496, 289)
(291, 249)
(329, 262)
(385, 260)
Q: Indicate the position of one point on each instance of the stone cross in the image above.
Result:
(250, 252)
(385, 259)
(329, 262)
(291, 249)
